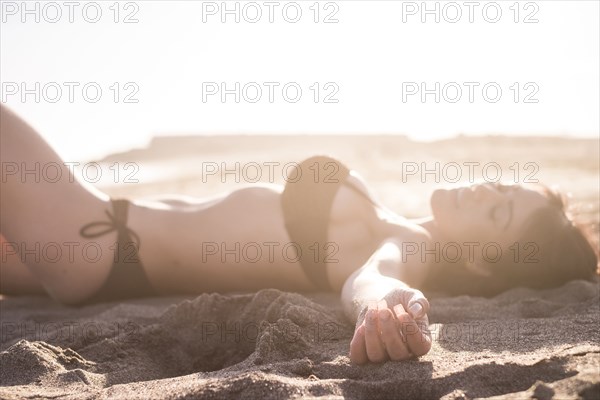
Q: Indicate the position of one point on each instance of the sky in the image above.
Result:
(99, 77)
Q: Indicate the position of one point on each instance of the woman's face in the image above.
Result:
(484, 213)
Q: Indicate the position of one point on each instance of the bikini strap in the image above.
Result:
(117, 221)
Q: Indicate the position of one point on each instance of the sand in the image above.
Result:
(272, 344)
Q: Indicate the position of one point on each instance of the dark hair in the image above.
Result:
(550, 251)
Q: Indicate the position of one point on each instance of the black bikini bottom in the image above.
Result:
(127, 278)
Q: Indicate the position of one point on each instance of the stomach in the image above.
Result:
(237, 242)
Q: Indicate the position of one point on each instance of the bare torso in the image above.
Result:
(238, 241)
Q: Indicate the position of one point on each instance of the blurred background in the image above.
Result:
(161, 92)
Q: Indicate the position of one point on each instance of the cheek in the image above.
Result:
(465, 226)
(461, 224)
(465, 229)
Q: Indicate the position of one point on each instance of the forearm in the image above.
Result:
(397, 329)
(369, 284)
(357, 295)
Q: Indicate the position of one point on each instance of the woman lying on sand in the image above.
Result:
(323, 231)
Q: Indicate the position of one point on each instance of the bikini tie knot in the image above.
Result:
(116, 222)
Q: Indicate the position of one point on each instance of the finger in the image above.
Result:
(419, 342)
(399, 310)
(392, 337)
(375, 348)
(358, 350)
(409, 297)
(418, 305)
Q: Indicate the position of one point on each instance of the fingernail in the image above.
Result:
(399, 309)
(384, 315)
(416, 310)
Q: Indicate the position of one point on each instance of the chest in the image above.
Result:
(354, 233)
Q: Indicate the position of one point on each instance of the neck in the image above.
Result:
(425, 228)
(391, 224)
(429, 224)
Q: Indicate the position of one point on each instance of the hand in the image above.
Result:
(385, 331)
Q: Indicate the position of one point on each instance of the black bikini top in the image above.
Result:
(306, 202)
